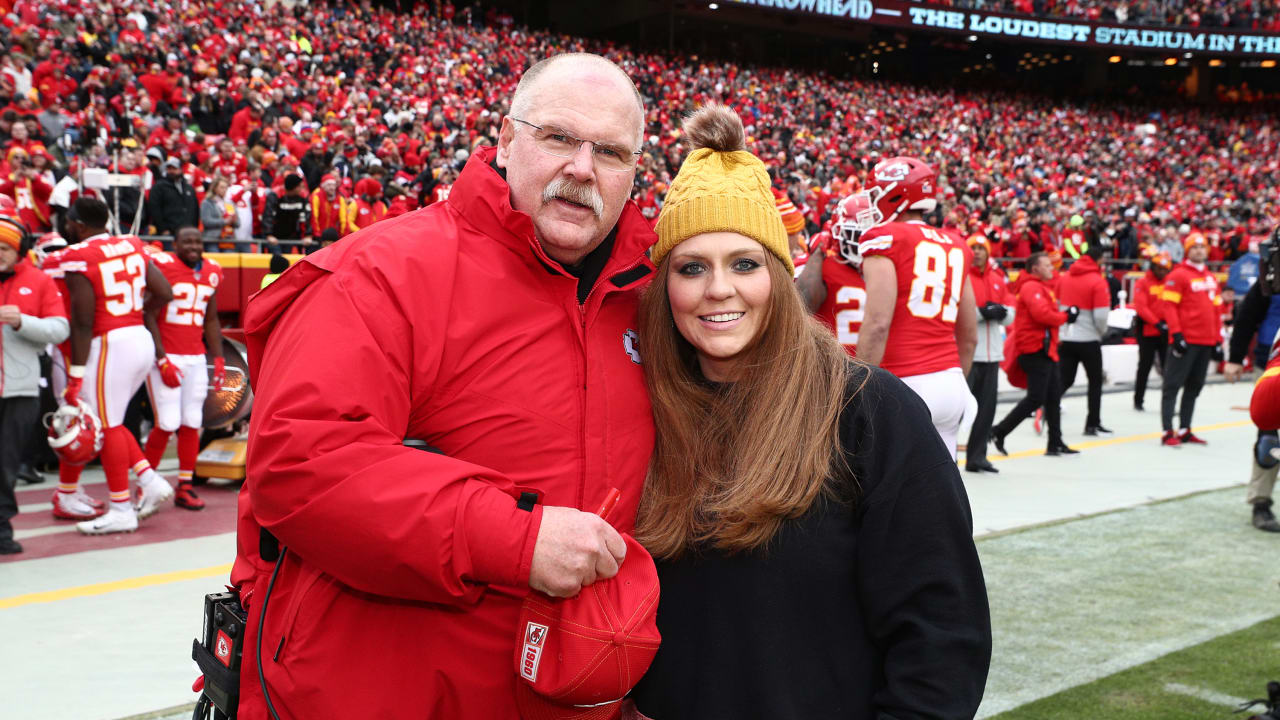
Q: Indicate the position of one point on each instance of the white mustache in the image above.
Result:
(566, 189)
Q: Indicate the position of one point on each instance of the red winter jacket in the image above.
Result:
(1035, 313)
(406, 569)
(1083, 286)
(1191, 303)
(990, 285)
(1146, 302)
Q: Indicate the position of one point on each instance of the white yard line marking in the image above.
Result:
(49, 530)
(1208, 696)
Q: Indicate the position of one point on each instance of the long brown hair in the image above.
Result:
(732, 462)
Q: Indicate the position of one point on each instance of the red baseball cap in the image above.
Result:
(576, 658)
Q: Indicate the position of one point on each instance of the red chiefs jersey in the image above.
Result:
(367, 213)
(231, 167)
(1191, 304)
(846, 301)
(440, 193)
(117, 269)
(182, 322)
(931, 266)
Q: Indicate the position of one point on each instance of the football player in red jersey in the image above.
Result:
(920, 322)
(834, 291)
(190, 340)
(106, 278)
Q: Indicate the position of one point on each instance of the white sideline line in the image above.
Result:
(1208, 696)
(34, 508)
(47, 530)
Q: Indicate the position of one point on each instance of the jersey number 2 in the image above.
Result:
(931, 293)
(123, 295)
(847, 320)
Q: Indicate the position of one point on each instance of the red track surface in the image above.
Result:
(171, 523)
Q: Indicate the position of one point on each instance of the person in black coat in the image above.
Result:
(812, 537)
(172, 202)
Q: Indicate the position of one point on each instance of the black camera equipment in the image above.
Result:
(218, 655)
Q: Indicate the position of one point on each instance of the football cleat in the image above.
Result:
(92, 501)
(74, 506)
(112, 521)
(187, 498)
(152, 496)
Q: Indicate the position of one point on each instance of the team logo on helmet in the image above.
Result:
(892, 172)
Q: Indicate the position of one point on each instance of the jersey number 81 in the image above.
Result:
(932, 291)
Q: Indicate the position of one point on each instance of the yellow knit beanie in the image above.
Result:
(720, 188)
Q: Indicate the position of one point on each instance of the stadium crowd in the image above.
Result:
(218, 106)
(1238, 14)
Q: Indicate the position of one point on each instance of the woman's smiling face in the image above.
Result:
(718, 286)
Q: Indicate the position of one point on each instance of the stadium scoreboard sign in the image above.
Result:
(898, 13)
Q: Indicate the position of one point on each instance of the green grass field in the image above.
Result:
(1092, 618)
(1178, 686)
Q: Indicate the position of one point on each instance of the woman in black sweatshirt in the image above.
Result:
(812, 535)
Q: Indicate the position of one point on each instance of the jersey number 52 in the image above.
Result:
(123, 280)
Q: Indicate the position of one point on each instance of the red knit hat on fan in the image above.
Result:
(577, 657)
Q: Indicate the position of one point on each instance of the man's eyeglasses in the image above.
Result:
(555, 141)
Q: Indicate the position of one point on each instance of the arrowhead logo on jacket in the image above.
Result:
(631, 343)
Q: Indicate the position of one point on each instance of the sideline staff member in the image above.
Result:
(31, 317)
(1035, 344)
(497, 326)
(994, 306)
(1190, 306)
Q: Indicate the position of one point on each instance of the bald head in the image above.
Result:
(573, 200)
(579, 68)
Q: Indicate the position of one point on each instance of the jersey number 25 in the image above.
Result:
(188, 304)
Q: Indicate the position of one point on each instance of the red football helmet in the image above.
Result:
(899, 184)
(854, 215)
(74, 433)
(49, 242)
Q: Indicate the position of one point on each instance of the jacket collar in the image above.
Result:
(483, 199)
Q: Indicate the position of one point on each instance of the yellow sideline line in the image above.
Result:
(180, 575)
(994, 456)
(103, 588)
